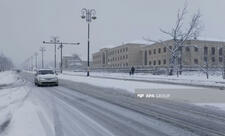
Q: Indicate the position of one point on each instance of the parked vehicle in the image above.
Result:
(45, 77)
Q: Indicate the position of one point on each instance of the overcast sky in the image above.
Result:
(24, 24)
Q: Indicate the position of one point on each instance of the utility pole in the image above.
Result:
(32, 64)
(54, 42)
(223, 54)
(61, 50)
(42, 49)
(36, 59)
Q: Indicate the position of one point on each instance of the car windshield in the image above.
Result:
(44, 72)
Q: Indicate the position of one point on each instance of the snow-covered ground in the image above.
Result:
(194, 78)
(129, 86)
(18, 114)
(215, 106)
(26, 110)
(7, 78)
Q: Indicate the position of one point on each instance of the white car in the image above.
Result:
(45, 77)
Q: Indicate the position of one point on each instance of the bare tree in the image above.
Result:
(5, 63)
(179, 35)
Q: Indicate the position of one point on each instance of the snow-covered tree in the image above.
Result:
(5, 63)
(179, 35)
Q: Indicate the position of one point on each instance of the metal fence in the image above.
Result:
(143, 69)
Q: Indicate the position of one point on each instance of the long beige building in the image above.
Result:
(195, 53)
(125, 55)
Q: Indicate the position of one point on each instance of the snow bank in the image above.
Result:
(26, 122)
(22, 116)
(10, 100)
(7, 77)
(215, 106)
(121, 84)
(192, 78)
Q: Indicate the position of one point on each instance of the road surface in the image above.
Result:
(80, 109)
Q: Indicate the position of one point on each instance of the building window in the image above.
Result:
(149, 52)
(159, 50)
(154, 51)
(159, 62)
(123, 49)
(220, 59)
(187, 49)
(196, 49)
(205, 50)
(180, 49)
(154, 63)
(126, 56)
(150, 63)
(213, 59)
(164, 61)
(196, 61)
(126, 49)
(170, 47)
(213, 50)
(205, 59)
(145, 61)
(221, 51)
(164, 49)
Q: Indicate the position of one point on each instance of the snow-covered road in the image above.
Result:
(78, 109)
(71, 113)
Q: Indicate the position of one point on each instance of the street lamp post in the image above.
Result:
(89, 15)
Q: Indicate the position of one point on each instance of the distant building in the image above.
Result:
(72, 62)
(195, 53)
(125, 55)
(100, 59)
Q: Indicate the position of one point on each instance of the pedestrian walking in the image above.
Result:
(132, 70)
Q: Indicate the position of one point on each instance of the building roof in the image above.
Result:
(211, 39)
(143, 42)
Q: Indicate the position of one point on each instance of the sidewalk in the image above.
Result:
(188, 78)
